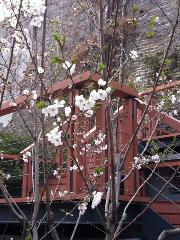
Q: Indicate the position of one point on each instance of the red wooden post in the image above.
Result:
(128, 125)
(141, 134)
(101, 117)
(27, 178)
(102, 157)
(74, 178)
(29, 183)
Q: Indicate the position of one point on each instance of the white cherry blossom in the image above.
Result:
(102, 94)
(133, 54)
(26, 92)
(89, 104)
(101, 82)
(89, 113)
(34, 95)
(82, 208)
(73, 168)
(173, 99)
(67, 111)
(94, 95)
(54, 136)
(69, 66)
(96, 199)
(108, 90)
(74, 117)
(40, 70)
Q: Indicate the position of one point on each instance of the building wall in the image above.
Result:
(158, 43)
(74, 23)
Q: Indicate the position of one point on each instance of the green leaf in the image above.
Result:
(101, 67)
(59, 38)
(12, 143)
(136, 8)
(29, 237)
(152, 22)
(130, 83)
(98, 170)
(56, 60)
(150, 34)
(41, 104)
(74, 61)
(135, 23)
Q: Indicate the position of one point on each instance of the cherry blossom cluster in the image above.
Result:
(87, 105)
(139, 161)
(97, 196)
(133, 54)
(98, 174)
(96, 199)
(53, 109)
(100, 138)
(33, 10)
(82, 208)
(75, 167)
(55, 136)
(26, 156)
(156, 158)
(32, 94)
(70, 67)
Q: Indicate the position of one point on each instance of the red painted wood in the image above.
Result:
(79, 196)
(166, 207)
(129, 124)
(10, 156)
(62, 86)
(168, 120)
(25, 180)
(163, 136)
(162, 87)
(172, 163)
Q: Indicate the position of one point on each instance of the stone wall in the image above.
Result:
(74, 23)
(146, 47)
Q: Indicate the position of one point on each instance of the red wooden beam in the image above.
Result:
(163, 164)
(163, 136)
(7, 107)
(168, 120)
(160, 88)
(79, 196)
(10, 156)
(166, 208)
(79, 80)
(163, 131)
(122, 90)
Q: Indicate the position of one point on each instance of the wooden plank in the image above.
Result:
(7, 107)
(78, 196)
(163, 164)
(10, 156)
(168, 120)
(160, 88)
(172, 218)
(122, 90)
(79, 80)
(171, 135)
(129, 123)
(166, 208)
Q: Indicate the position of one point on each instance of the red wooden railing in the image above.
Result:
(127, 118)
